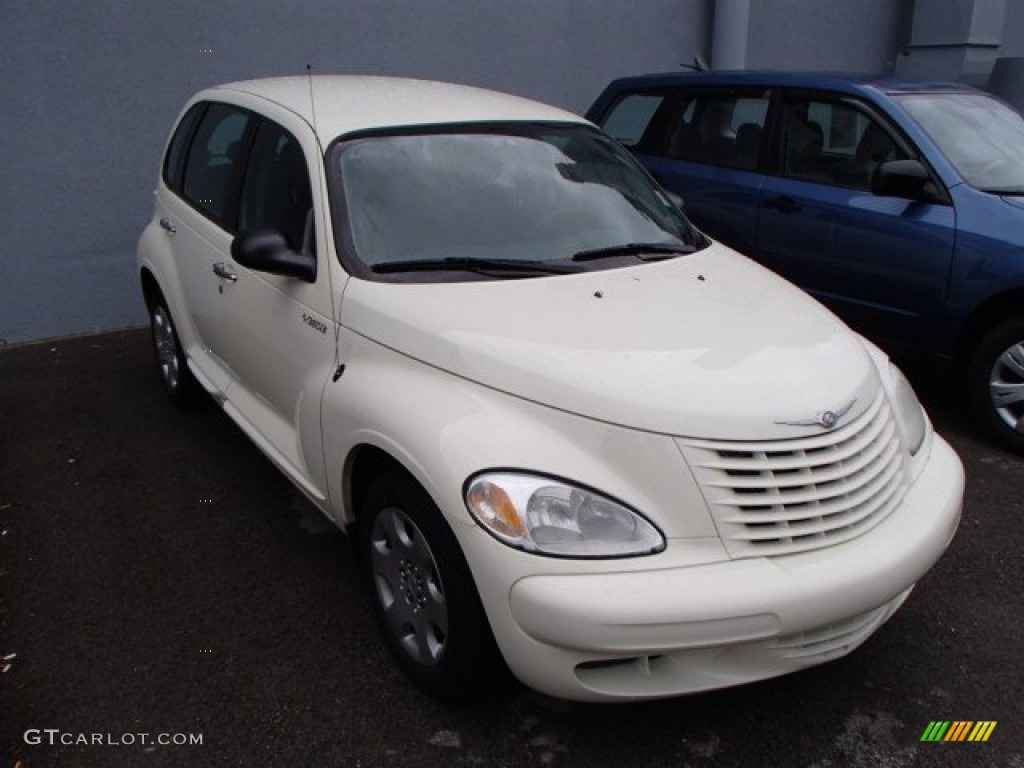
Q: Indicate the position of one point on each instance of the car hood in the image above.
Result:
(707, 345)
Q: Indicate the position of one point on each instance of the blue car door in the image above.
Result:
(881, 263)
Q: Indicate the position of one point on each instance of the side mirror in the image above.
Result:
(900, 178)
(266, 250)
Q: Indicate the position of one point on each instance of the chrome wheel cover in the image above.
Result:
(408, 586)
(1006, 386)
(166, 348)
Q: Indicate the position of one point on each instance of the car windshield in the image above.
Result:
(979, 135)
(509, 200)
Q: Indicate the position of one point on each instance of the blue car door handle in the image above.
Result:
(782, 203)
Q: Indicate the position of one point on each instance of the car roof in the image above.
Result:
(830, 81)
(345, 104)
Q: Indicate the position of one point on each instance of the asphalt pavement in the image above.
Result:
(160, 580)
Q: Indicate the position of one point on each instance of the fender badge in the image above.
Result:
(825, 419)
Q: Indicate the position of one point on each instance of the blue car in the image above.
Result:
(899, 205)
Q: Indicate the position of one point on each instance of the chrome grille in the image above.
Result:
(786, 496)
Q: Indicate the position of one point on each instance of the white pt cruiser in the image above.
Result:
(566, 430)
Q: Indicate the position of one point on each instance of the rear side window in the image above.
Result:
(629, 119)
(724, 128)
(216, 160)
(174, 161)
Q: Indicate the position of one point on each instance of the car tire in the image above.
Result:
(178, 381)
(423, 592)
(995, 382)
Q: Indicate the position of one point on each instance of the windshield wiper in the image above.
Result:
(662, 251)
(463, 264)
(1008, 192)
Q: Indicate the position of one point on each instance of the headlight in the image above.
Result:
(551, 517)
(909, 413)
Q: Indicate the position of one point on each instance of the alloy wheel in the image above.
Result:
(166, 348)
(1006, 386)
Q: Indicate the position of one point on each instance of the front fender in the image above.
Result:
(443, 429)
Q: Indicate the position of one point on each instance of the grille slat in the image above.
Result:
(791, 514)
(786, 496)
(824, 524)
(810, 492)
(819, 473)
(802, 458)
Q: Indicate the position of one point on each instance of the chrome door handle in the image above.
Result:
(166, 224)
(220, 269)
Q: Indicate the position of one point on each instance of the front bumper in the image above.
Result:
(665, 632)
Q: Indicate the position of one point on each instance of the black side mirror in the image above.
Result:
(900, 178)
(266, 250)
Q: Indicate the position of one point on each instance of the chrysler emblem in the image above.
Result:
(825, 419)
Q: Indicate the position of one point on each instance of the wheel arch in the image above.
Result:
(995, 310)
(364, 462)
(150, 287)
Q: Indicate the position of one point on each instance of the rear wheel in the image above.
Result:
(177, 379)
(995, 380)
(423, 592)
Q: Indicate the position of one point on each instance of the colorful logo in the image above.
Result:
(958, 730)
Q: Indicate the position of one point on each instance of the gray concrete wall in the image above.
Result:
(863, 36)
(1012, 43)
(90, 90)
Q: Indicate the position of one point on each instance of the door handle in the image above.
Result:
(167, 225)
(783, 204)
(220, 269)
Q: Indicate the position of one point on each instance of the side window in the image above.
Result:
(276, 193)
(214, 166)
(833, 142)
(174, 160)
(629, 119)
(724, 128)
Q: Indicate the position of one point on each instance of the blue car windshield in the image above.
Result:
(531, 195)
(979, 135)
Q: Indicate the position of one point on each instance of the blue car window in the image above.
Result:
(719, 128)
(982, 137)
(629, 118)
(834, 143)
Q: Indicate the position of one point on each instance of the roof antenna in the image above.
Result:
(312, 102)
(699, 64)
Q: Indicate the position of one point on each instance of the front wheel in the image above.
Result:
(995, 382)
(423, 592)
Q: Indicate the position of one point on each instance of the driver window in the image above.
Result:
(276, 194)
(834, 143)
